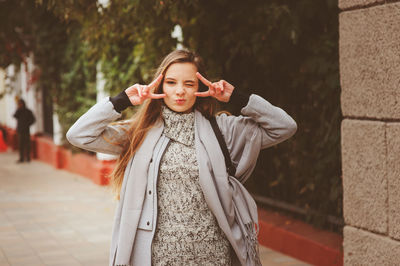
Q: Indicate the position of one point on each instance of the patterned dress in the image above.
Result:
(187, 232)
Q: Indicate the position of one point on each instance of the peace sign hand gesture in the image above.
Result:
(139, 93)
(221, 90)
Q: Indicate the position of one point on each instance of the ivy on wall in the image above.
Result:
(285, 51)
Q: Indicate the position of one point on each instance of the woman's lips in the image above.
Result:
(180, 101)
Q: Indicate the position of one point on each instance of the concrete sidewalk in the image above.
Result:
(53, 217)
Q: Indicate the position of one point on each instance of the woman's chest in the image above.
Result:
(179, 161)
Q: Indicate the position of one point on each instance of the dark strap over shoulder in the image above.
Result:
(228, 162)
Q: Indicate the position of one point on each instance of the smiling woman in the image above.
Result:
(177, 203)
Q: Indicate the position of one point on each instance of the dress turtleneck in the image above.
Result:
(187, 233)
(179, 126)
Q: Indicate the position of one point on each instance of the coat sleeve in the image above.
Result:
(17, 113)
(95, 130)
(32, 118)
(260, 126)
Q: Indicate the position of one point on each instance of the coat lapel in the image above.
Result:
(134, 194)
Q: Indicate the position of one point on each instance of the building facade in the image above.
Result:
(369, 55)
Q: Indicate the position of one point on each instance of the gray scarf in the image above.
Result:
(239, 219)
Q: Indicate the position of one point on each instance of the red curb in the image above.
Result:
(299, 240)
(12, 139)
(47, 151)
(44, 149)
(87, 166)
(103, 169)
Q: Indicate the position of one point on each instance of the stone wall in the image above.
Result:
(369, 55)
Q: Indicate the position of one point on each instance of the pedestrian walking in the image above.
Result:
(25, 119)
(178, 202)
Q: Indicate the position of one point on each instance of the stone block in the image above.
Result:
(393, 166)
(364, 174)
(369, 55)
(346, 4)
(365, 248)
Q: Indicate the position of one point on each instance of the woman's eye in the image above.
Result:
(170, 82)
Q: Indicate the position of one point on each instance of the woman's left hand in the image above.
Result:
(221, 90)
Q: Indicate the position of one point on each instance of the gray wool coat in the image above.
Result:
(260, 126)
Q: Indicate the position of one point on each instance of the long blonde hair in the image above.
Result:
(150, 111)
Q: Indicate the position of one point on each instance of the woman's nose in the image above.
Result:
(180, 90)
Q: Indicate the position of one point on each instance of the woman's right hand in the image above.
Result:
(139, 93)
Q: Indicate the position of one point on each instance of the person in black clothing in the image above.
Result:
(25, 119)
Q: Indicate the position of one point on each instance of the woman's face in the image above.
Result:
(180, 84)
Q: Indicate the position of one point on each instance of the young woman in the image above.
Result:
(177, 203)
